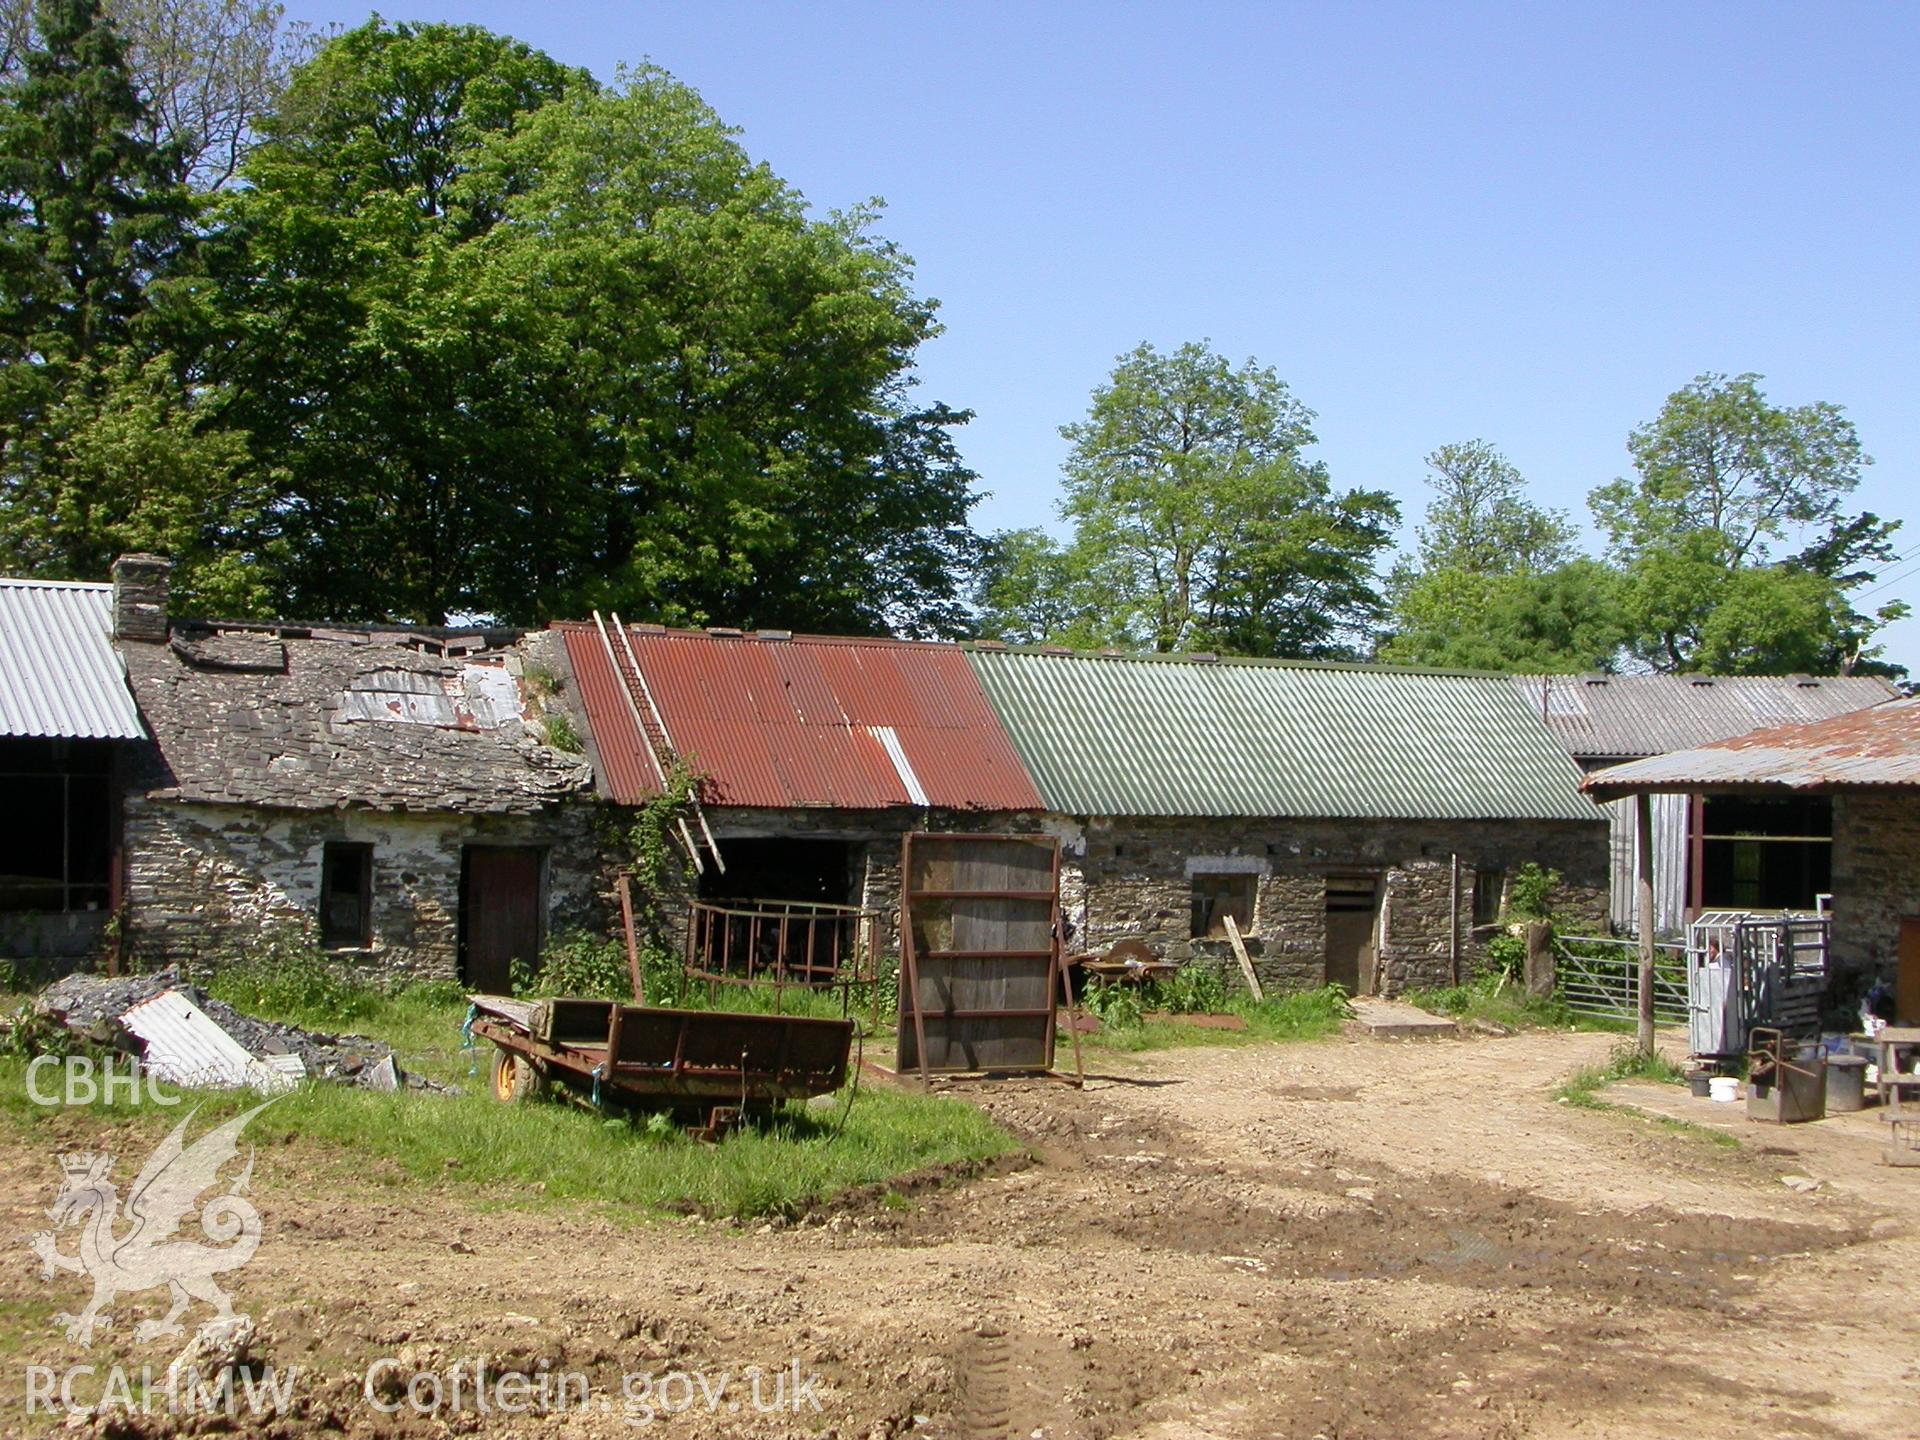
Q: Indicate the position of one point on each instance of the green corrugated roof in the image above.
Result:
(1139, 735)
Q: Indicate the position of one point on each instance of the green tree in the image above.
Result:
(1724, 480)
(205, 71)
(106, 442)
(1566, 619)
(527, 345)
(1480, 521)
(1199, 523)
(1029, 591)
(1494, 583)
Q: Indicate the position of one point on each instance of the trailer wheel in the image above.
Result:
(516, 1080)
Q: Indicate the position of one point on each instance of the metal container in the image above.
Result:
(1846, 1082)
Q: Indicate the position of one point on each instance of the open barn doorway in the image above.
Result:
(784, 912)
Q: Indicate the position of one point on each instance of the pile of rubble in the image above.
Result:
(188, 1036)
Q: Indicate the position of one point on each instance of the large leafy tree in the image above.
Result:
(204, 70)
(1735, 519)
(527, 345)
(1199, 523)
(1494, 583)
(106, 441)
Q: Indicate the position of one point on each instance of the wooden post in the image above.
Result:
(1643, 853)
(1539, 971)
(634, 968)
(1247, 972)
(1453, 921)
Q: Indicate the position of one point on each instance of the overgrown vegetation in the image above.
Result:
(1530, 893)
(279, 974)
(577, 964)
(559, 732)
(1125, 1014)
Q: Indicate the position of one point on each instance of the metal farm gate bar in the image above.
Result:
(979, 952)
(1601, 977)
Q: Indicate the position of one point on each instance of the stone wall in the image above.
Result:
(1876, 881)
(203, 878)
(1129, 877)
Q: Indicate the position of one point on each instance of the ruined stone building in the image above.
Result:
(386, 793)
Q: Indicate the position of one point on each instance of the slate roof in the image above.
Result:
(59, 675)
(1193, 736)
(1876, 748)
(288, 721)
(1615, 717)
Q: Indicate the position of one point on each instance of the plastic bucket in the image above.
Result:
(1724, 1088)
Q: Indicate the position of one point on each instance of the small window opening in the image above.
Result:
(346, 896)
(1488, 885)
(1215, 897)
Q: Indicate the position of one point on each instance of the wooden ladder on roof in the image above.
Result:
(651, 725)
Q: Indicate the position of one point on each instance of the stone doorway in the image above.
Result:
(1353, 927)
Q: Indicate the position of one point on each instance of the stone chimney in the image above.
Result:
(140, 584)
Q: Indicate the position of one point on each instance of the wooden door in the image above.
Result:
(1353, 912)
(1906, 988)
(500, 914)
(980, 951)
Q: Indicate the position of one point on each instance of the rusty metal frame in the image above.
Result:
(858, 965)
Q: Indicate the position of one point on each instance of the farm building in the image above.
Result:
(67, 727)
(1865, 766)
(384, 792)
(816, 756)
(1358, 824)
(1712, 853)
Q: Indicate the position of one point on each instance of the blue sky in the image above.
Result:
(1525, 223)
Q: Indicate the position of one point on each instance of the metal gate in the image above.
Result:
(979, 952)
(1600, 976)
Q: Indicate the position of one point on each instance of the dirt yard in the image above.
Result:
(1345, 1239)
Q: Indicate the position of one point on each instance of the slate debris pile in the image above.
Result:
(91, 1005)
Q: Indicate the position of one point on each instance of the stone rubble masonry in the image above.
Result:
(1124, 878)
(1133, 878)
(1876, 881)
(268, 744)
(140, 595)
(203, 879)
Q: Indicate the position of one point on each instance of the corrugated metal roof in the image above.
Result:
(1608, 717)
(59, 672)
(784, 721)
(1871, 748)
(186, 1046)
(1178, 736)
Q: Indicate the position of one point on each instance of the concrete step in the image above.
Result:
(1397, 1020)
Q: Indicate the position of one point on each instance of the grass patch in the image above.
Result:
(1297, 1015)
(1583, 1087)
(534, 1153)
(1502, 1002)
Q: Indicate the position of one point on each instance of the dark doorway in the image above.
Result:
(771, 869)
(501, 917)
(346, 896)
(1353, 911)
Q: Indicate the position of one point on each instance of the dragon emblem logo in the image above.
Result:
(129, 1247)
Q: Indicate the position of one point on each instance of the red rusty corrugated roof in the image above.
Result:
(783, 722)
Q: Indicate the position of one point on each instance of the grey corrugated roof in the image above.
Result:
(1613, 717)
(1105, 735)
(59, 675)
(1879, 747)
